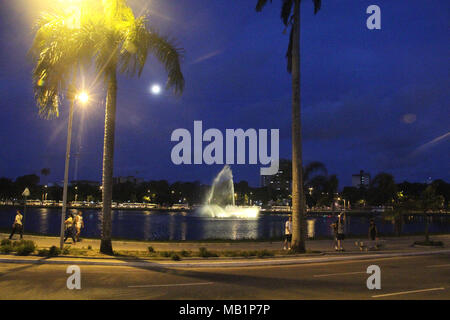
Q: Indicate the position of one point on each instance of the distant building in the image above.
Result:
(130, 179)
(282, 180)
(361, 180)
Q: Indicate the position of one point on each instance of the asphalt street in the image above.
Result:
(416, 277)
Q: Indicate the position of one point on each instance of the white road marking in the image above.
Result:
(439, 266)
(406, 292)
(337, 274)
(172, 285)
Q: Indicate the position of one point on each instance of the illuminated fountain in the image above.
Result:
(220, 201)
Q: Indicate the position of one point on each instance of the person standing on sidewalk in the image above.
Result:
(340, 232)
(288, 234)
(17, 225)
(373, 234)
(334, 227)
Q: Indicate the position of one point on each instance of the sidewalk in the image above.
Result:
(324, 246)
(322, 252)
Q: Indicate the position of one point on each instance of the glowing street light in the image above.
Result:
(83, 97)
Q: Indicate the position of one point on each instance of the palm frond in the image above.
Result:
(286, 10)
(286, 15)
(261, 4)
(135, 48)
(312, 168)
(317, 5)
(170, 56)
(51, 52)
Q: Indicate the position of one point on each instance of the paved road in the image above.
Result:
(418, 277)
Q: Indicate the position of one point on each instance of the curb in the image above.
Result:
(269, 262)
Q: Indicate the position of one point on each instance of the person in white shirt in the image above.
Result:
(17, 225)
(288, 234)
(78, 225)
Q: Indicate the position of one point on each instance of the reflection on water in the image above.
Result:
(155, 225)
(147, 225)
(311, 228)
(234, 230)
(171, 227)
(43, 221)
(183, 230)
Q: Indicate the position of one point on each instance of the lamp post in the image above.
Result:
(25, 194)
(83, 97)
(44, 194)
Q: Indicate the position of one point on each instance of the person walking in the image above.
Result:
(69, 223)
(79, 224)
(334, 227)
(373, 234)
(288, 234)
(17, 225)
(340, 232)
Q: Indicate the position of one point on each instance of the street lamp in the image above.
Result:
(83, 97)
(26, 193)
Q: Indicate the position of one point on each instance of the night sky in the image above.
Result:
(374, 100)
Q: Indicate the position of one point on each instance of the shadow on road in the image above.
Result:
(225, 277)
(21, 268)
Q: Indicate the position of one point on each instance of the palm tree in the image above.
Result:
(315, 175)
(108, 34)
(429, 202)
(382, 190)
(45, 172)
(312, 170)
(290, 14)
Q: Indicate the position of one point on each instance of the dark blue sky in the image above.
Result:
(372, 100)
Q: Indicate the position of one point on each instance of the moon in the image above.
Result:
(156, 89)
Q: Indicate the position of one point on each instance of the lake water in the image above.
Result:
(157, 225)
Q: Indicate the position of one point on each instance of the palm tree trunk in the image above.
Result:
(298, 208)
(108, 158)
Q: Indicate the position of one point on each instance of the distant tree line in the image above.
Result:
(320, 190)
(383, 191)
